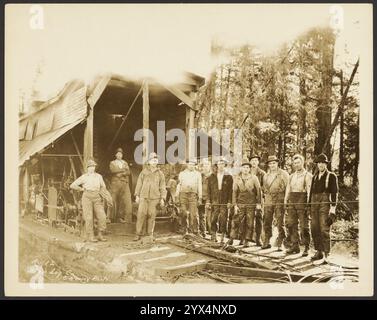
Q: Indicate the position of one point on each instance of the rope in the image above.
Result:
(283, 204)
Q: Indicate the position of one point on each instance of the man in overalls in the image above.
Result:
(259, 173)
(91, 183)
(296, 199)
(274, 186)
(120, 188)
(246, 199)
(204, 213)
(149, 192)
(323, 198)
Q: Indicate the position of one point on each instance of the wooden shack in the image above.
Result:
(92, 120)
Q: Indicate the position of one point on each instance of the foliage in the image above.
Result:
(284, 101)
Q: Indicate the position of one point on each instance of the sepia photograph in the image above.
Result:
(175, 149)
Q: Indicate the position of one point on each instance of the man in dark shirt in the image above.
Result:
(220, 191)
(323, 198)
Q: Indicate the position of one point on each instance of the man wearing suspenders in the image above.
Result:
(296, 199)
(246, 199)
(259, 173)
(274, 186)
(323, 199)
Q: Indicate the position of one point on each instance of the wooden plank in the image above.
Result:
(45, 121)
(30, 130)
(224, 255)
(256, 272)
(98, 90)
(88, 136)
(22, 125)
(195, 266)
(73, 108)
(171, 255)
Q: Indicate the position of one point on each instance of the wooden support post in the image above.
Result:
(190, 145)
(145, 121)
(88, 136)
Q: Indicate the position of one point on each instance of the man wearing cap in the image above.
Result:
(246, 199)
(259, 173)
(296, 198)
(274, 187)
(149, 192)
(205, 213)
(91, 183)
(189, 193)
(323, 198)
(120, 188)
(220, 190)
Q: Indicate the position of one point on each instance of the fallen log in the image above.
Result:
(258, 273)
(224, 255)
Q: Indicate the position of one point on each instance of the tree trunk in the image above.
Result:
(341, 146)
(355, 177)
(323, 112)
(303, 129)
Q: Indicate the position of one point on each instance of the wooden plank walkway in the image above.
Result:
(253, 262)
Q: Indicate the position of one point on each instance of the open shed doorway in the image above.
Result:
(111, 110)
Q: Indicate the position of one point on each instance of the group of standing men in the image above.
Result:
(241, 205)
(246, 204)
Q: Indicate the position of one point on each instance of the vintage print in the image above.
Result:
(198, 146)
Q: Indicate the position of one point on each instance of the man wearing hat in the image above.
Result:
(120, 188)
(323, 198)
(274, 187)
(149, 192)
(220, 190)
(246, 198)
(296, 198)
(205, 213)
(91, 183)
(189, 193)
(259, 173)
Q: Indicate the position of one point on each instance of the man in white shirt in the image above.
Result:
(189, 193)
(91, 183)
(296, 199)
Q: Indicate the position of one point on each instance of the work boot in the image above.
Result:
(213, 237)
(279, 249)
(327, 254)
(136, 238)
(293, 250)
(92, 239)
(317, 256)
(305, 253)
(246, 244)
(222, 238)
(230, 242)
(241, 242)
(100, 237)
(266, 246)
